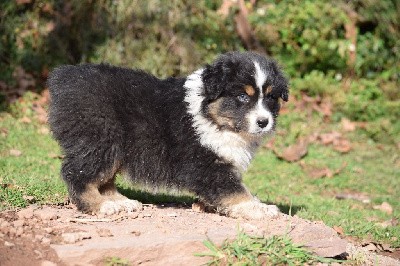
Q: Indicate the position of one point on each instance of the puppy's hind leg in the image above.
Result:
(92, 188)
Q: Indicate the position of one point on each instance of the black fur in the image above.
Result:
(109, 119)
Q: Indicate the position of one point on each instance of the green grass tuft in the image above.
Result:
(252, 250)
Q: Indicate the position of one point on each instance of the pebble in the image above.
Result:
(26, 213)
(19, 223)
(19, 231)
(48, 230)
(39, 237)
(46, 241)
(12, 231)
(103, 232)
(8, 244)
(71, 238)
(48, 263)
(45, 215)
(39, 254)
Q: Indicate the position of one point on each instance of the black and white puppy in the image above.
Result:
(197, 133)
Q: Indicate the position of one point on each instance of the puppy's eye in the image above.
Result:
(244, 98)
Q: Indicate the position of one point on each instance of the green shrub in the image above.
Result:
(304, 35)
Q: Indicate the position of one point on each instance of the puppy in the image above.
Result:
(197, 133)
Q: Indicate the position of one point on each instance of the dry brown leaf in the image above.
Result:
(384, 207)
(354, 196)
(3, 132)
(26, 120)
(342, 145)
(56, 156)
(319, 172)
(391, 222)
(43, 130)
(329, 138)
(294, 152)
(15, 152)
(347, 125)
(338, 230)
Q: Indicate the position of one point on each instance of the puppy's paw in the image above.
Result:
(252, 210)
(130, 205)
(110, 207)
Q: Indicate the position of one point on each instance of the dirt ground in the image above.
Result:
(158, 235)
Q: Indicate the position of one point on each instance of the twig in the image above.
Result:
(88, 220)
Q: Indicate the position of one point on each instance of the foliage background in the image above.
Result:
(309, 38)
(342, 59)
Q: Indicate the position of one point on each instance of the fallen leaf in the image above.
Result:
(16, 153)
(3, 132)
(342, 145)
(347, 125)
(391, 222)
(294, 152)
(44, 130)
(354, 196)
(329, 138)
(26, 120)
(384, 207)
(56, 156)
(338, 230)
(319, 172)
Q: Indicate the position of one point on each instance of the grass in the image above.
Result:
(116, 261)
(372, 168)
(250, 250)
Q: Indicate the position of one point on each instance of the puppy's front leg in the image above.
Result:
(225, 191)
(246, 206)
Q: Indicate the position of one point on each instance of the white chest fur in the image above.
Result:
(228, 145)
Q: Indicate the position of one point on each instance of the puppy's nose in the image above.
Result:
(262, 122)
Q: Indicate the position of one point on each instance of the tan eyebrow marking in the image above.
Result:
(268, 89)
(249, 90)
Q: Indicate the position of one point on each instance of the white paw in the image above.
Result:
(252, 210)
(130, 205)
(109, 207)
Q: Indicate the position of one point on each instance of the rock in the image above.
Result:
(103, 232)
(46, 241)
(39, 254)
(46, 215)
(12, 232)
(39, 237)
(71, 238)
(8, 244)
(48, 263)
(48, 230)
(19, 223)
(19, 231)
(328, 247)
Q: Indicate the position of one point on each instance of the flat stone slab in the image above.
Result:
(163, 235)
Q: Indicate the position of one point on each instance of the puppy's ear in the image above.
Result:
(285, 94)
(216, 78)
(283, 85)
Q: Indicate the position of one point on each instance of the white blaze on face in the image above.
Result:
(259, 113)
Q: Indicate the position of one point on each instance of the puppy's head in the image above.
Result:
(241, 93)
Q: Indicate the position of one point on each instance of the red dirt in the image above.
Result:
(158, 235)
